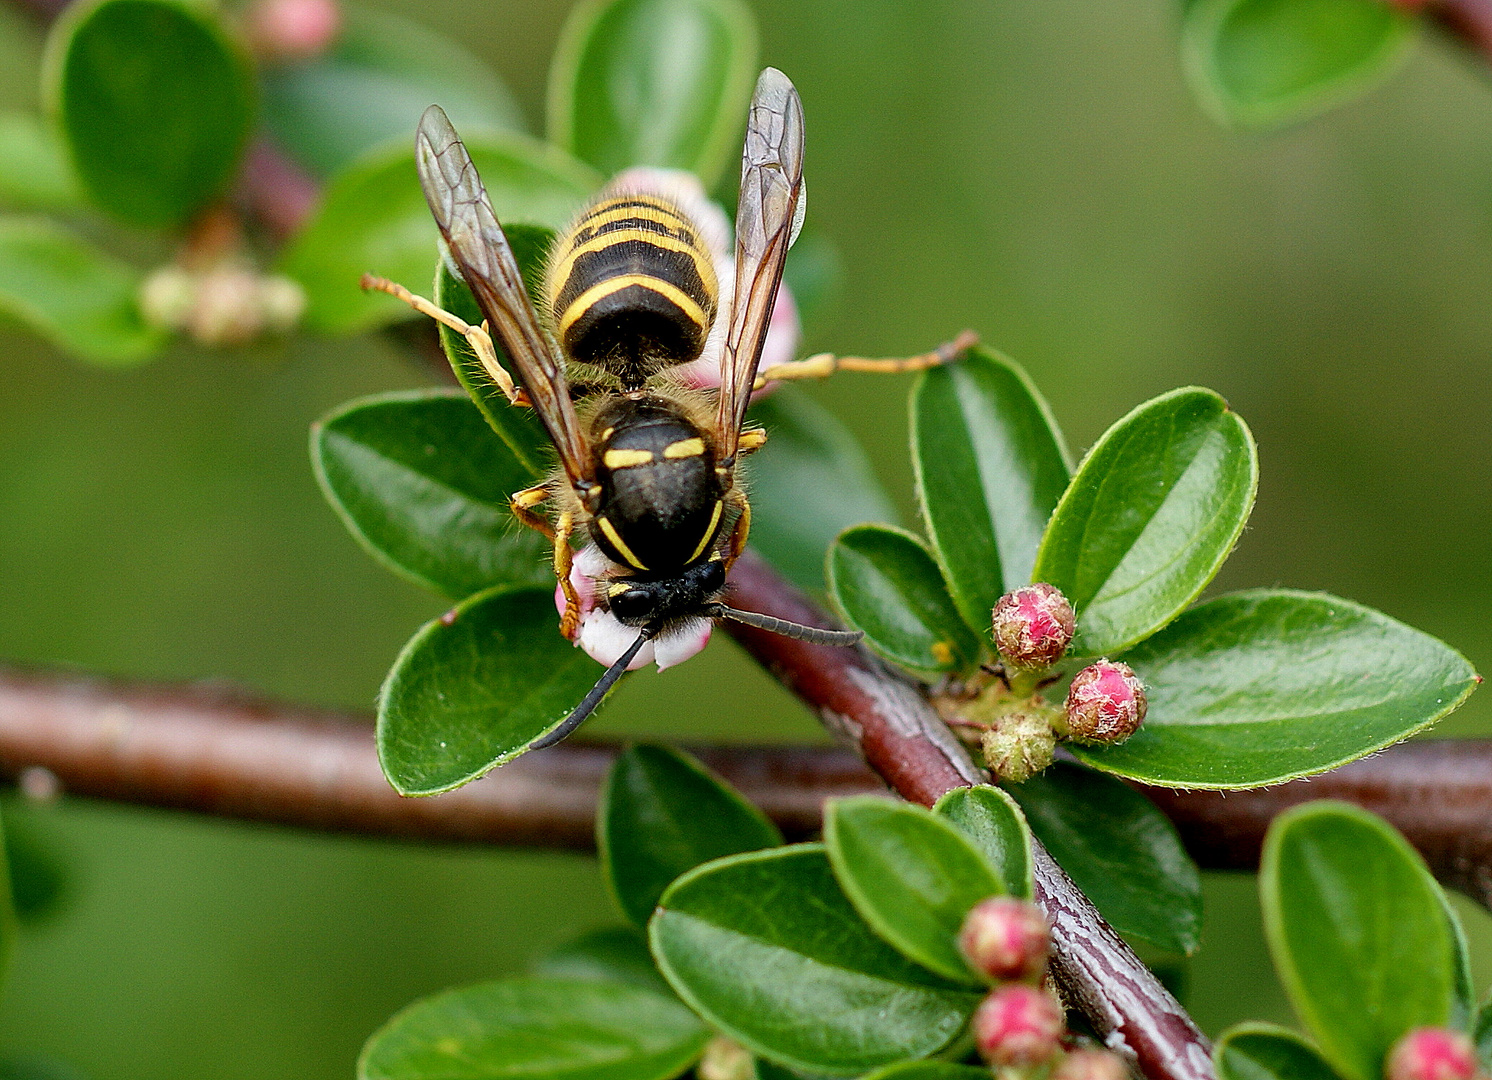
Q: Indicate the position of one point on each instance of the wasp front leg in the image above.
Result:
(563, 559)
(825, 364)
(522, 504)
(476, 336)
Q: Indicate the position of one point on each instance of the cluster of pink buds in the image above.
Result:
(1431, 1053)
(1020, 1025)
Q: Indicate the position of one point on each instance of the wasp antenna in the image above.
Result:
(603, 684)
(797, 631)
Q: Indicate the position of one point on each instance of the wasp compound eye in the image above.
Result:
(633, 604)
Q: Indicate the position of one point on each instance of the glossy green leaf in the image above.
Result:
(34, 170)
(654, 82)
(888, 585)
(1463, 998)
(68, 291)
(995, 823)
(1120, 850)
(912, 876)
(517, 427)
(1259, 687)
(767, 948)
(1153, 511)
(808, 449)
(1482, 1033)
(663, 813)
(613, 953)
(560, 1029)
(7, 910)
(1356, 929)
(373, 85)
(1256, 1051)
(154, 100)
(475, 687)
(373, 219)
(1255, 63)
(928, 1070)
(990, 466)
(421, 481)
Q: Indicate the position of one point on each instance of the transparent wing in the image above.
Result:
(459, 203)
(771, 185)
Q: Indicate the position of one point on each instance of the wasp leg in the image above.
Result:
(750, 440)
(741, 529)
(570, 621)
(476, 336)
(522, 505)
(825, 364)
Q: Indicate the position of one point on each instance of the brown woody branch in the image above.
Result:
(214, 750)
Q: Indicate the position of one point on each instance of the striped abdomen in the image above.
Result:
(632, 288)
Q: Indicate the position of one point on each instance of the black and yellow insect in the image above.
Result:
(647, 470)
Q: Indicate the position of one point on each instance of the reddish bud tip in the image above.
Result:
(1091, 1065)
(1018, 1026)
(1033, 626)
(1018, 746)
(1105, 703)
(293, 29)
(1431, 1054)
(1006, 939)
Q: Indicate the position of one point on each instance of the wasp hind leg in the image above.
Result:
(825, 364)
(741, 530)
(476, 336)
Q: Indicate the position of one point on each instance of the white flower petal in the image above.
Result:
(684, 642)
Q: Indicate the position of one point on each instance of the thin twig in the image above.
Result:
(904, 741)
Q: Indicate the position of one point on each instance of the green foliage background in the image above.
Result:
(1036, 172)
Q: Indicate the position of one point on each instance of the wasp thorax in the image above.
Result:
(632, 288)
(661, 500)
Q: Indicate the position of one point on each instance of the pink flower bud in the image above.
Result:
(1018, 1025)
(1430, 1053)
(1033, 626)
(293, 29)
(1006, 939)
(1091, 1065)
(1018, 746)
(1105, 703)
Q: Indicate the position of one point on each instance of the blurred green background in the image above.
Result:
(1037, 172)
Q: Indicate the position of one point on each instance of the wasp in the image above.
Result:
(647, 469)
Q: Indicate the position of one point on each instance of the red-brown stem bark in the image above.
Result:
(904, 741)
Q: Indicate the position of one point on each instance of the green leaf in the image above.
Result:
(990, 466)
(888, 585)
(1257, 63)
(814, 274)
(154, 100)
(475, 687)
(560, 1029)
(663, 813)
(38, 872)
(653, 82)
(997, 826)
(1463, 1001)
(1260, 687)
(1256, 1051)
(928, 1070)
(372, 87)
(1153, 511)
(34, 171)
(1120, 850)
(912, 876)
(808, 449)
(1356, 929)
(766, 947)
(421, 481)
(1482, 1033)
(7, 910)
(517, 427)
(76, 296)
(373, 219)
(613, 953)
